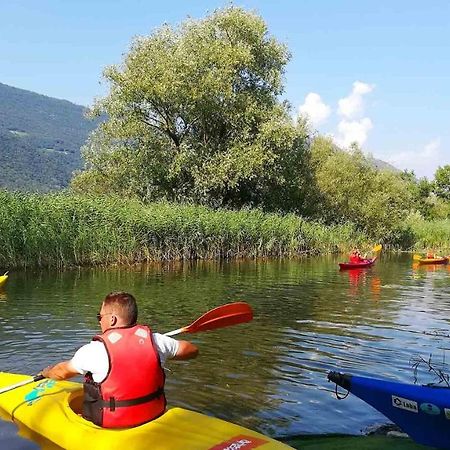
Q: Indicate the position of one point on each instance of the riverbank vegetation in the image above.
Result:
(208, 161)
(67, 230)
(430, 234)
(63, 229)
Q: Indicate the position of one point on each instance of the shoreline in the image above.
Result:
(346, 442)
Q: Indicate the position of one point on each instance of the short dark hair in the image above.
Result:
(125, 304)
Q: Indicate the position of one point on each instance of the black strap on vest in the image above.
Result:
(112, 403)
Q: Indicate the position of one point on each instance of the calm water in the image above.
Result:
(270, 374)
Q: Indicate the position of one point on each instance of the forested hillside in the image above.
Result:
(40, 140)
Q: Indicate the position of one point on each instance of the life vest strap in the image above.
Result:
(112, 403)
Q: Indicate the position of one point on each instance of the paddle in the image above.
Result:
(220, 317)
(376, 249)
(38, 377)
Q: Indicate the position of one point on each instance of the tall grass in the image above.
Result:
(66, 230)
(433, 234)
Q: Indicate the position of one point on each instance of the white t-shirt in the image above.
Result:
(93, 357)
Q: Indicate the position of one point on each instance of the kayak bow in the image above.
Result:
(423, 412)
(49, 409)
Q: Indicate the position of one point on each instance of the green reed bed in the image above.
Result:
(66, 230)
(433, 234)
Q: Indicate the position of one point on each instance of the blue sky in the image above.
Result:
(377, 72)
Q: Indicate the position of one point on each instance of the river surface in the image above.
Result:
(269, 374)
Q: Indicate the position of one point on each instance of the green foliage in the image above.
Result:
(66, 230)
(438, 208)
(350, 188)
(442, 182)
(40, 140)
(426, 202)
(429, 234)
(193, 114)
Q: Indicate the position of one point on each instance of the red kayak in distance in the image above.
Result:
(358, 265)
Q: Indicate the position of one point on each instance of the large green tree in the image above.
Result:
(193, 113)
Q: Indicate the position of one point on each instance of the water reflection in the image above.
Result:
(361, 281)
(270, 374)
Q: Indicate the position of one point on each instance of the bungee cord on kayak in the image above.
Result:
(338, 395)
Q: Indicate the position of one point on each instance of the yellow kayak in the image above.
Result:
(48, 409)
(437, 260)
(3, 279)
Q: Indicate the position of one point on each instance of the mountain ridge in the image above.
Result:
(40, 140)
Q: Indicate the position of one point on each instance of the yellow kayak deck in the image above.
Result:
(47, 408)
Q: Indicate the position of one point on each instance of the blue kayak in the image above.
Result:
(423, 412)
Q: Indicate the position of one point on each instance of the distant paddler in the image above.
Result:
(430, 258)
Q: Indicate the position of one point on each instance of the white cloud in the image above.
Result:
(316, 110)
(352, 126)
(352, 105)
(423, 161)
(353, 131)
(432, 148)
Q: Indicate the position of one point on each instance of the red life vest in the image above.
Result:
(133, 391)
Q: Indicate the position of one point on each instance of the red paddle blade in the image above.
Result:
(222, 316)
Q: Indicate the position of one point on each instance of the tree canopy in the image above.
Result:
(194, 114)
(442, 182)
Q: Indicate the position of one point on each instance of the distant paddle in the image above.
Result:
(377, 248)
(220, 317)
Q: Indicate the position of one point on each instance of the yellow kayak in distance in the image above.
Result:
(3, 279)
(437, 260)
(49, 409)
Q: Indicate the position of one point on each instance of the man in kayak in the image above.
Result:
(123, 366)
(355, 256)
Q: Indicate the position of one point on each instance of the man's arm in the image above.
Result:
(60, 371)
(170, 348)
(186, 350)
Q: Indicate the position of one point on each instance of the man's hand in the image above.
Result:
(60, 371)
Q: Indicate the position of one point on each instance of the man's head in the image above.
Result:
(119, 309)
